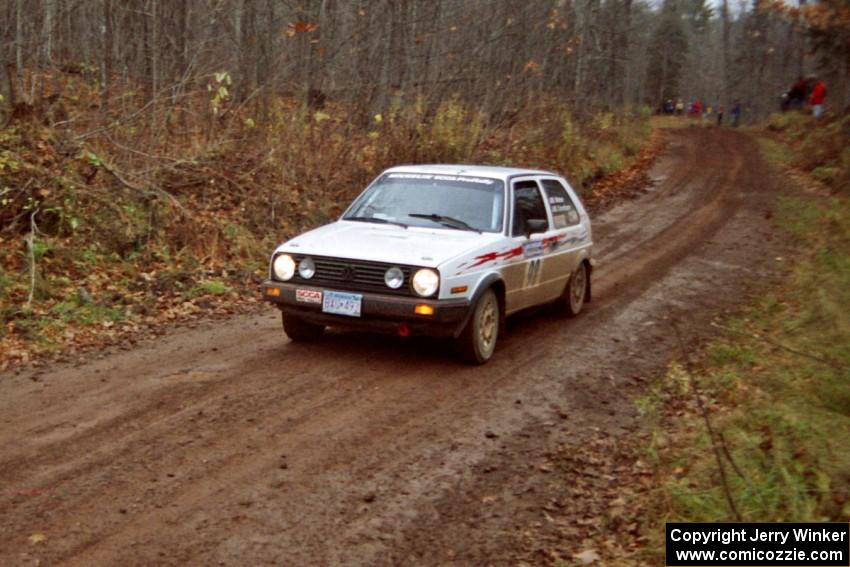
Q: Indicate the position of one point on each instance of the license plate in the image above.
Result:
(342, 303)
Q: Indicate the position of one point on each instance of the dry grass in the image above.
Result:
(777, 390)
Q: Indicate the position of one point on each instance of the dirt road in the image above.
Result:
(228, 445)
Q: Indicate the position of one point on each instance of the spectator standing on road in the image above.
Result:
(697, 108)
(720, 111)
(680, 107)
(818, 96)
(736, 114)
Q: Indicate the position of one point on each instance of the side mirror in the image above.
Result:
(533, 226)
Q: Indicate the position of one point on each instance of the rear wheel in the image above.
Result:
(300, 330)
(477, 341)
(576, 292)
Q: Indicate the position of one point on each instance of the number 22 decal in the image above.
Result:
(532, 273)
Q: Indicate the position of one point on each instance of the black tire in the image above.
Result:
(575, 294)
(477, 342)
(299, 330)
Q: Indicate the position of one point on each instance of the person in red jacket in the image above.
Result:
(816, 100)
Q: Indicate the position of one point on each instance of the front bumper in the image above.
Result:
(378, 312)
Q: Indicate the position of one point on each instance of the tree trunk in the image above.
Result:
(106, 59)
(47, 31)
(7, 87)
(727, 65)
(19, 40)
(239, 24)
(154, 5)
(625, 53)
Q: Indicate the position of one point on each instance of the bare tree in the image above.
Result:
(494, 55)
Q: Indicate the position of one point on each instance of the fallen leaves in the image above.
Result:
(587, 557)
(594, 520)
(140, 321)
(631, 181)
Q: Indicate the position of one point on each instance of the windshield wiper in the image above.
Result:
(375, 219)
(445, 221)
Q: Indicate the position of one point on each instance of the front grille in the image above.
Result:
(354, 275)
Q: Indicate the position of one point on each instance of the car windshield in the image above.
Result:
(434, 201)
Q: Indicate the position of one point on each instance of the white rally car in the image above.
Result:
(439, 250)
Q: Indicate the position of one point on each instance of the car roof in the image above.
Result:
(492, 171)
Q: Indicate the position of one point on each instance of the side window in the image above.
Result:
(528, 205)
(564, 212)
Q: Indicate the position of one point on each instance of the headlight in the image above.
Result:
(394, 277)
(306, 268)
(284, 267)
(426, 282)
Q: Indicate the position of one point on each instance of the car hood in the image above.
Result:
(387, 243)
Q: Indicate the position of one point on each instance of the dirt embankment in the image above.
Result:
(226, 444)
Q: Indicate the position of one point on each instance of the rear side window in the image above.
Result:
(564, 212)
(528, 205)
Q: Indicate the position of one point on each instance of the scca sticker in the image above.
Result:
(308, 296)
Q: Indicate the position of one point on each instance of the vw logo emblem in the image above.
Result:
(348, 273)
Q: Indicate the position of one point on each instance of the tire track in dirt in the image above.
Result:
(397, 418)
(684, 152)
(677, 240)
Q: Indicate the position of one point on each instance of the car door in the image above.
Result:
(567, 238)
(523, 276)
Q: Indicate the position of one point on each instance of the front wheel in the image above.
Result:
(576, 292)
(477, 341)
(300, 330)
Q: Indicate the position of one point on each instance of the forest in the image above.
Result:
(151, 58)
